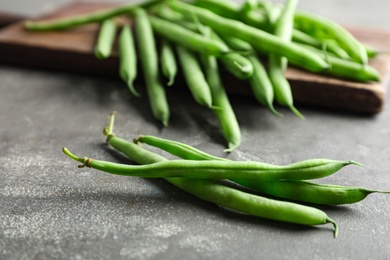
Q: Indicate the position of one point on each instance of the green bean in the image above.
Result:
(235, 63)
(176, 148)
(225, 115)
(288, 189)
(93, 17)
(260, 40)
(105, 39)
(187, 38)
(297, 190)
(248, 6)
(261, 85)
(127, 58)
(247, 170)
(278, 63)
(168, 62)
(301, 37)
(194, 76)
(237, 44)
(310, 192)
(216, 192)
(348, 69)
(322, 28)
(150, 66)
(228, 9)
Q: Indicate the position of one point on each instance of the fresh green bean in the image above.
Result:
(234, 62)
(168, 62)
(322, 28)
(261, 85)
(150, 66)
(278, 63)
(105, 40)
(194, 76)
(228, 9)
(216, 192)
(311, 192)
(225, 115)
(288, 189)
(187, 38)
(93, 17)
(348, 69)
(208, 169)
(237, 44)
(260, 40)
(301, 37)
(127, 58)
(176, 148)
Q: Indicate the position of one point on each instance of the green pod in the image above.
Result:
(187, 38)
(92, 17)
(237, 64)
(194, 76)
(176, 148)
(216, 192)
(105, 39)
(168, 62)
(127, 58)
(259, 39)
(261, 85)
(305, 191)
(225, 114)
(322, 28)
(347, 69)
(210, 169)
(150, 66)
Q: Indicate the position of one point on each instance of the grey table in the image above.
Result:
(50, 209)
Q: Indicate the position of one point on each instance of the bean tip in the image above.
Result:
(355, 163)
(335, 226)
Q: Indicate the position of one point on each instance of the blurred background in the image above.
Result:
(360, 12)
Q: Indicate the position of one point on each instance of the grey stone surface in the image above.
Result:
(50, 209)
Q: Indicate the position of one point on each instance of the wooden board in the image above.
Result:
(72, 50)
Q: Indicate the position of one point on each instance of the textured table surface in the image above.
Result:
(50, 209)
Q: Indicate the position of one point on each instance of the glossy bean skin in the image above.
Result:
(105, 39)
(283, 28)
(176, 148)
(237, 64)
(310, 192)
(301, 37)
(93, 17)
(217, 169)
(261, 85)
(348, 69)
(216, 192)
(168, 62)
(225, 115)
(194, 76)
(260, 40)
(322, 28)
(150, 67)
(127, 58)
(187, 38)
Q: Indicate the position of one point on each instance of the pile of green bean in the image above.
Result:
(254, 41)
(210, 178)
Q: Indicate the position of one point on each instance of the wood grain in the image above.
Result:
(72, 50)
